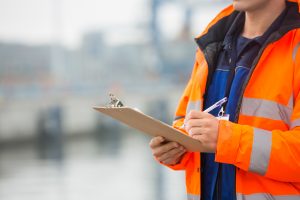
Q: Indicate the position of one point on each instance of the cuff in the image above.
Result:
(181, 165)
(228, 142)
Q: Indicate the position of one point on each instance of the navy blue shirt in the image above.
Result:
(234, 64)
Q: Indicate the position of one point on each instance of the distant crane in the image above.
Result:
(187, 6)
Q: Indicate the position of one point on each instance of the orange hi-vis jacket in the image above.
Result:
(264, 141)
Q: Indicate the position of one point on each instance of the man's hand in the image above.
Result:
(169, 153)
(203, 127)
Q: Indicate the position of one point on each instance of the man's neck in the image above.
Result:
(259, 20)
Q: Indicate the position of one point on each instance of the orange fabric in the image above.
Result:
(193, 174)
(263, 123)
(229, 149)
(255, 184)
(275, 79)
(273, 72)
(285, 156)
(283, 174)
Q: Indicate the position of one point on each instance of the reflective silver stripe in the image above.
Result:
(295, 123)
(261, 150)
(178, 117)
(266, 109)
(193, 105)
(264, 196)
(193, 197)
(291, 102)
(295, 51)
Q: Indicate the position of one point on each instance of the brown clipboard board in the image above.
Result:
(150, 126)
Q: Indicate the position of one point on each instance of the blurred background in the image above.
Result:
(58, 59)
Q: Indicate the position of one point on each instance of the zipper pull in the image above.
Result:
(222, 115)
(221, 112)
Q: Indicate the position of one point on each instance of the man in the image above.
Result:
(250, 53)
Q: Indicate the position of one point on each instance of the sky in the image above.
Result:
(65, 21)
(40, 21)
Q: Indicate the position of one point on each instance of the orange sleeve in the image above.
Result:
(271, 153)
(274, 154)
(234, 144)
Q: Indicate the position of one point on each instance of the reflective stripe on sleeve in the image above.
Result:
(295, 51)
(266, 109)
(193, 197)
(291, 102)
(178, 117)
(264, 196)
(193, 105)
(261, 150)
(295, 123)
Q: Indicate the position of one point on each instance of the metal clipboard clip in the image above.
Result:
(114, 102)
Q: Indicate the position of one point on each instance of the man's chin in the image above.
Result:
(237, 6)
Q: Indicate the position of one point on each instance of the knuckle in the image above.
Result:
(182, 148)
(192, 131)
(156, 152)
(179, 150)
(175, 144)
(178, 153)
(188, 123)
(151, 143)
(170, 146)
(169, 161)
(193, 112)
(156, 141)
(195, 137)
(160, 159)
(165, 162)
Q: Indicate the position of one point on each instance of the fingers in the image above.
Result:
(194, 114)
(175, 159)
(203, 127)
(197, 118)
(164, 148)
(193, 123)
(159, 146)
(166, 152)
(196, 124)
(173, 153)
(156, 141)
(196, 131)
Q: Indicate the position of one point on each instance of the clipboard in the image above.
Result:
(150, 126)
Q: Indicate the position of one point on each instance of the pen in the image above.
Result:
(215, 105)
